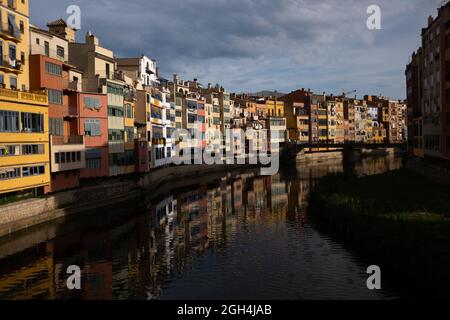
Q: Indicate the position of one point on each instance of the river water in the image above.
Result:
(242, 236)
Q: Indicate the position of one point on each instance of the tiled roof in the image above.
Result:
(59, 22)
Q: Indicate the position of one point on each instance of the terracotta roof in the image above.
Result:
(59, 22)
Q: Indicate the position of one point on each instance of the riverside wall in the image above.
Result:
(24, 214)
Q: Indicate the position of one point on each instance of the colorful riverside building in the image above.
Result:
(143, 73)
(100, 75)
(428, 90)
(298, 115)
(190, 108)
(49, 70)
(24, 142)
(413, 92)
(161, 127)
(130, 99)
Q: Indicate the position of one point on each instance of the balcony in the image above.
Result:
(69, 112)
(10, 33)
(11, 65)
(117, 76)
(37, 98)
(67, 140)
(74, 86)
(130, 96)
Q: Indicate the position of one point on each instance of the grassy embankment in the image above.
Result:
(398, 220)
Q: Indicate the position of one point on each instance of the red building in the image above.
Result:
(93, 124)
(50, 70)
(201, 118)
(141, 155)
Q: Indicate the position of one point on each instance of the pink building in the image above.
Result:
(93, 124)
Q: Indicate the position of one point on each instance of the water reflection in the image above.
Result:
(240, 237)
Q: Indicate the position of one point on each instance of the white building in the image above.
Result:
(142, 69)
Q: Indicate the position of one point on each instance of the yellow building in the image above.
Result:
(130, 98)
(14, 35)
(322, 115)
(24, 143)
(275, 108)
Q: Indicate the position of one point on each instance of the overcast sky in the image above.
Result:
(252, 45)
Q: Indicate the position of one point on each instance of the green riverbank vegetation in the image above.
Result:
(399, 221)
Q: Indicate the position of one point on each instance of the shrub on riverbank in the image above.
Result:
(397, 220)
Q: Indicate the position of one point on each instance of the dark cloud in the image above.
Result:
(250, 44)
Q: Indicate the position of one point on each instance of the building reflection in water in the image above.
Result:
(137, 256)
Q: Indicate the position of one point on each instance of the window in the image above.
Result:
(91, 103)
(47, 48)
(115, 135)
(60, 51)
(108, 71)
(9, 121)
(13, 82)
(129, 111)
(12, 26)
(115, 111)
(9, 173)
(22, 27)
(192, 118)
(9, 151)
(55, 96)
(30, 149)
(93, 159)
(156, 113)
(129, 157)
(115, 89)
(22, 58)
(53, 69)
(129, 134)
(56, 126)
(33, 171)
(92, 127)
(32, 122)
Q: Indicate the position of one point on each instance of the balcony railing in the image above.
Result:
(11, 64)
(22, 96)
(118, 76)
(67, 140)
(73, 85)
(69, 112)
(11, 32)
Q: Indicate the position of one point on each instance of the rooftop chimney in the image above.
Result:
(60, 28)
(91, 39)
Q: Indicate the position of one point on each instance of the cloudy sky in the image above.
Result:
(252, 45)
